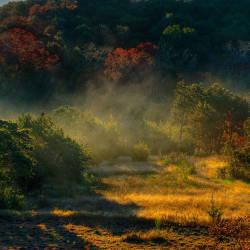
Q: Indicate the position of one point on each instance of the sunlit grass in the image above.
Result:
(162, 195)
(156, 236)
(159, 195)
(43, 227)
(62, 213)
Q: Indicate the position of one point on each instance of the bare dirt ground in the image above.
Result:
(122, 213)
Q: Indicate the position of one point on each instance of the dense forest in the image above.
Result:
(63, 46)
(83, 82)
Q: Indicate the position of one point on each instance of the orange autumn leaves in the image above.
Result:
(21, 47)
(52, 5)
(235, 136)
(121, 61)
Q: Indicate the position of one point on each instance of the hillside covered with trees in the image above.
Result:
(124, 124)
(50, 48)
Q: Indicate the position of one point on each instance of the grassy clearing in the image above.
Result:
(180, 200)
(85, 231)
(157, 208)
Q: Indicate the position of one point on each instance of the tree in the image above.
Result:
(178, 48)
(239, 158)
(52, 5)
(121, 62)
(233, 110)
(19, 47)
(205, 128)
(18, 165)
(60, 159)
(212, 117)
(186, 99)
(220, 112)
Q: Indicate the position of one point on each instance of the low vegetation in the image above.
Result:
(72, 163)
(35, 153)
(124, 124)
(141, 152)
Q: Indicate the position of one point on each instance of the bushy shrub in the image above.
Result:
(184, 165)
(17, 162)
(157, 135)
(240, 163)
(34, 152)
(178, 158)
(237, 229)
(199, 152)
(223, 173)
(102, 135)
(183, 170)
(60, 159)
(140, 152)
(10, 198)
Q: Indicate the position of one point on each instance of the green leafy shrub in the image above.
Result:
(223, 173)
(183, 170)
(178, 158)
(102, 136)
(18, 165)
(141, 152)
(60, 159)
(34, 152)
(185, 165)
(10, 198)
(199, 152)
(157, 135)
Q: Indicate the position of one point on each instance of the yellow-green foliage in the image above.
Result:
(10, 198)
(34, 152)
(177, 30)
(141, 152)
(59, 158)
(102, 136)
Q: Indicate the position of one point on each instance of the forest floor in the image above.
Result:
(136, 206)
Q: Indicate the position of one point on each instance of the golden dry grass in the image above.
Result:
(104, 221)
(62, 213)
(157, 236)
(159, 195)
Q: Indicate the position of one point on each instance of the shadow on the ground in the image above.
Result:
(30, 233)
(97, 211)
(46, 229)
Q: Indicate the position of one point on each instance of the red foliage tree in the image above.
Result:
(235, 135)
(52, 5)
(21, 47)
(121, 61)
